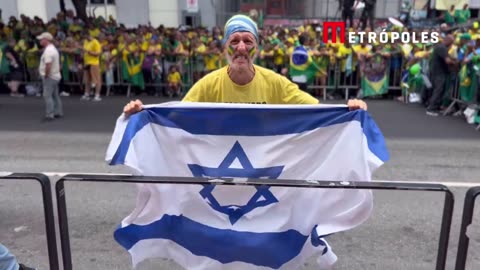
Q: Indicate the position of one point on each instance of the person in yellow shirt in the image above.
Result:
(197, 54)
(174, 81)
(211, 57)
(91, 63)
(242, 81)
(279, 57)
(322, 59)
(361, 52)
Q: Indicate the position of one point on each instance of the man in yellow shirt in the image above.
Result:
(242, 81)
(91, 64)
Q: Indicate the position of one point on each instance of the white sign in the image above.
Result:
(192, 5)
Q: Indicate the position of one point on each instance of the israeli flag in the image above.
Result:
(244, 227)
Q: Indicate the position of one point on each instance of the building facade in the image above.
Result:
(297, 9)
(172, 13)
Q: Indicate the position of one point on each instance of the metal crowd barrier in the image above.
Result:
(63, 217)
(467, 217)
(48, 211)
(342, 82)
(336, 80)
(454, 95)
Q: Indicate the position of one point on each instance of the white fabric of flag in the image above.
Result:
(244, 227)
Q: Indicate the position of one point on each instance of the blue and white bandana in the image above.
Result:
(240, 23)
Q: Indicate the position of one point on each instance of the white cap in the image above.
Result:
(45, 35)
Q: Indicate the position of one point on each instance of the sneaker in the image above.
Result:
(47, 119)
(97, 98)
(58, 116)
(458, 113)
(84, 97)
(432, 113)
(64, 94)
(17, 95)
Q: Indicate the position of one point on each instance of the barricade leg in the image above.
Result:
(467, 217)
(445, 230)
(63, 225)
(48, 212)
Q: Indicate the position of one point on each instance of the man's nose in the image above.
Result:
(241, 46)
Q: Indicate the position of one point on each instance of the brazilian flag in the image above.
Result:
(375, 79)
(4, 67)
(132, 69)
(65, 69)
(468, 83)
(302, 67)
(374, 85)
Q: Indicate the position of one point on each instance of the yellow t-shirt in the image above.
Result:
(174, 77)
(200, 49)
(211, 61)
(145, 46)
(279, 57)
(93, 46)
(344, 52)
(452, 52)
(358, 49)
(290, 51)
(267, 87)
(420, 54)
(94, 32)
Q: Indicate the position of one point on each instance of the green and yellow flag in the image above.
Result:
(374, 85)
(468, 84)
(132, 69)
(375, 76)
(4, 67)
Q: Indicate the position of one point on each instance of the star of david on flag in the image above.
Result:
(262, 197)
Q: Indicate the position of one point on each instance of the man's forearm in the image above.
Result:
(47, 69)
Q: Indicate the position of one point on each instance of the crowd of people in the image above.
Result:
(102, 54)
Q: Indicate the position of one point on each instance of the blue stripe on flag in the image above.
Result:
(250, 122)
(226, 246)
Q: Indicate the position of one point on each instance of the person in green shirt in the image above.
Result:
(449, 15)
(462, 15)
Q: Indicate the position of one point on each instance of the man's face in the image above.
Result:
(241, 50)
(44, 42)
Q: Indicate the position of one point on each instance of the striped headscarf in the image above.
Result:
(240, 23)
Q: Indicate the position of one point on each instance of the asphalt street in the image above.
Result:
(401, 234)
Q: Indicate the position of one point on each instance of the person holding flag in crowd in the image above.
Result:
(239, 82)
